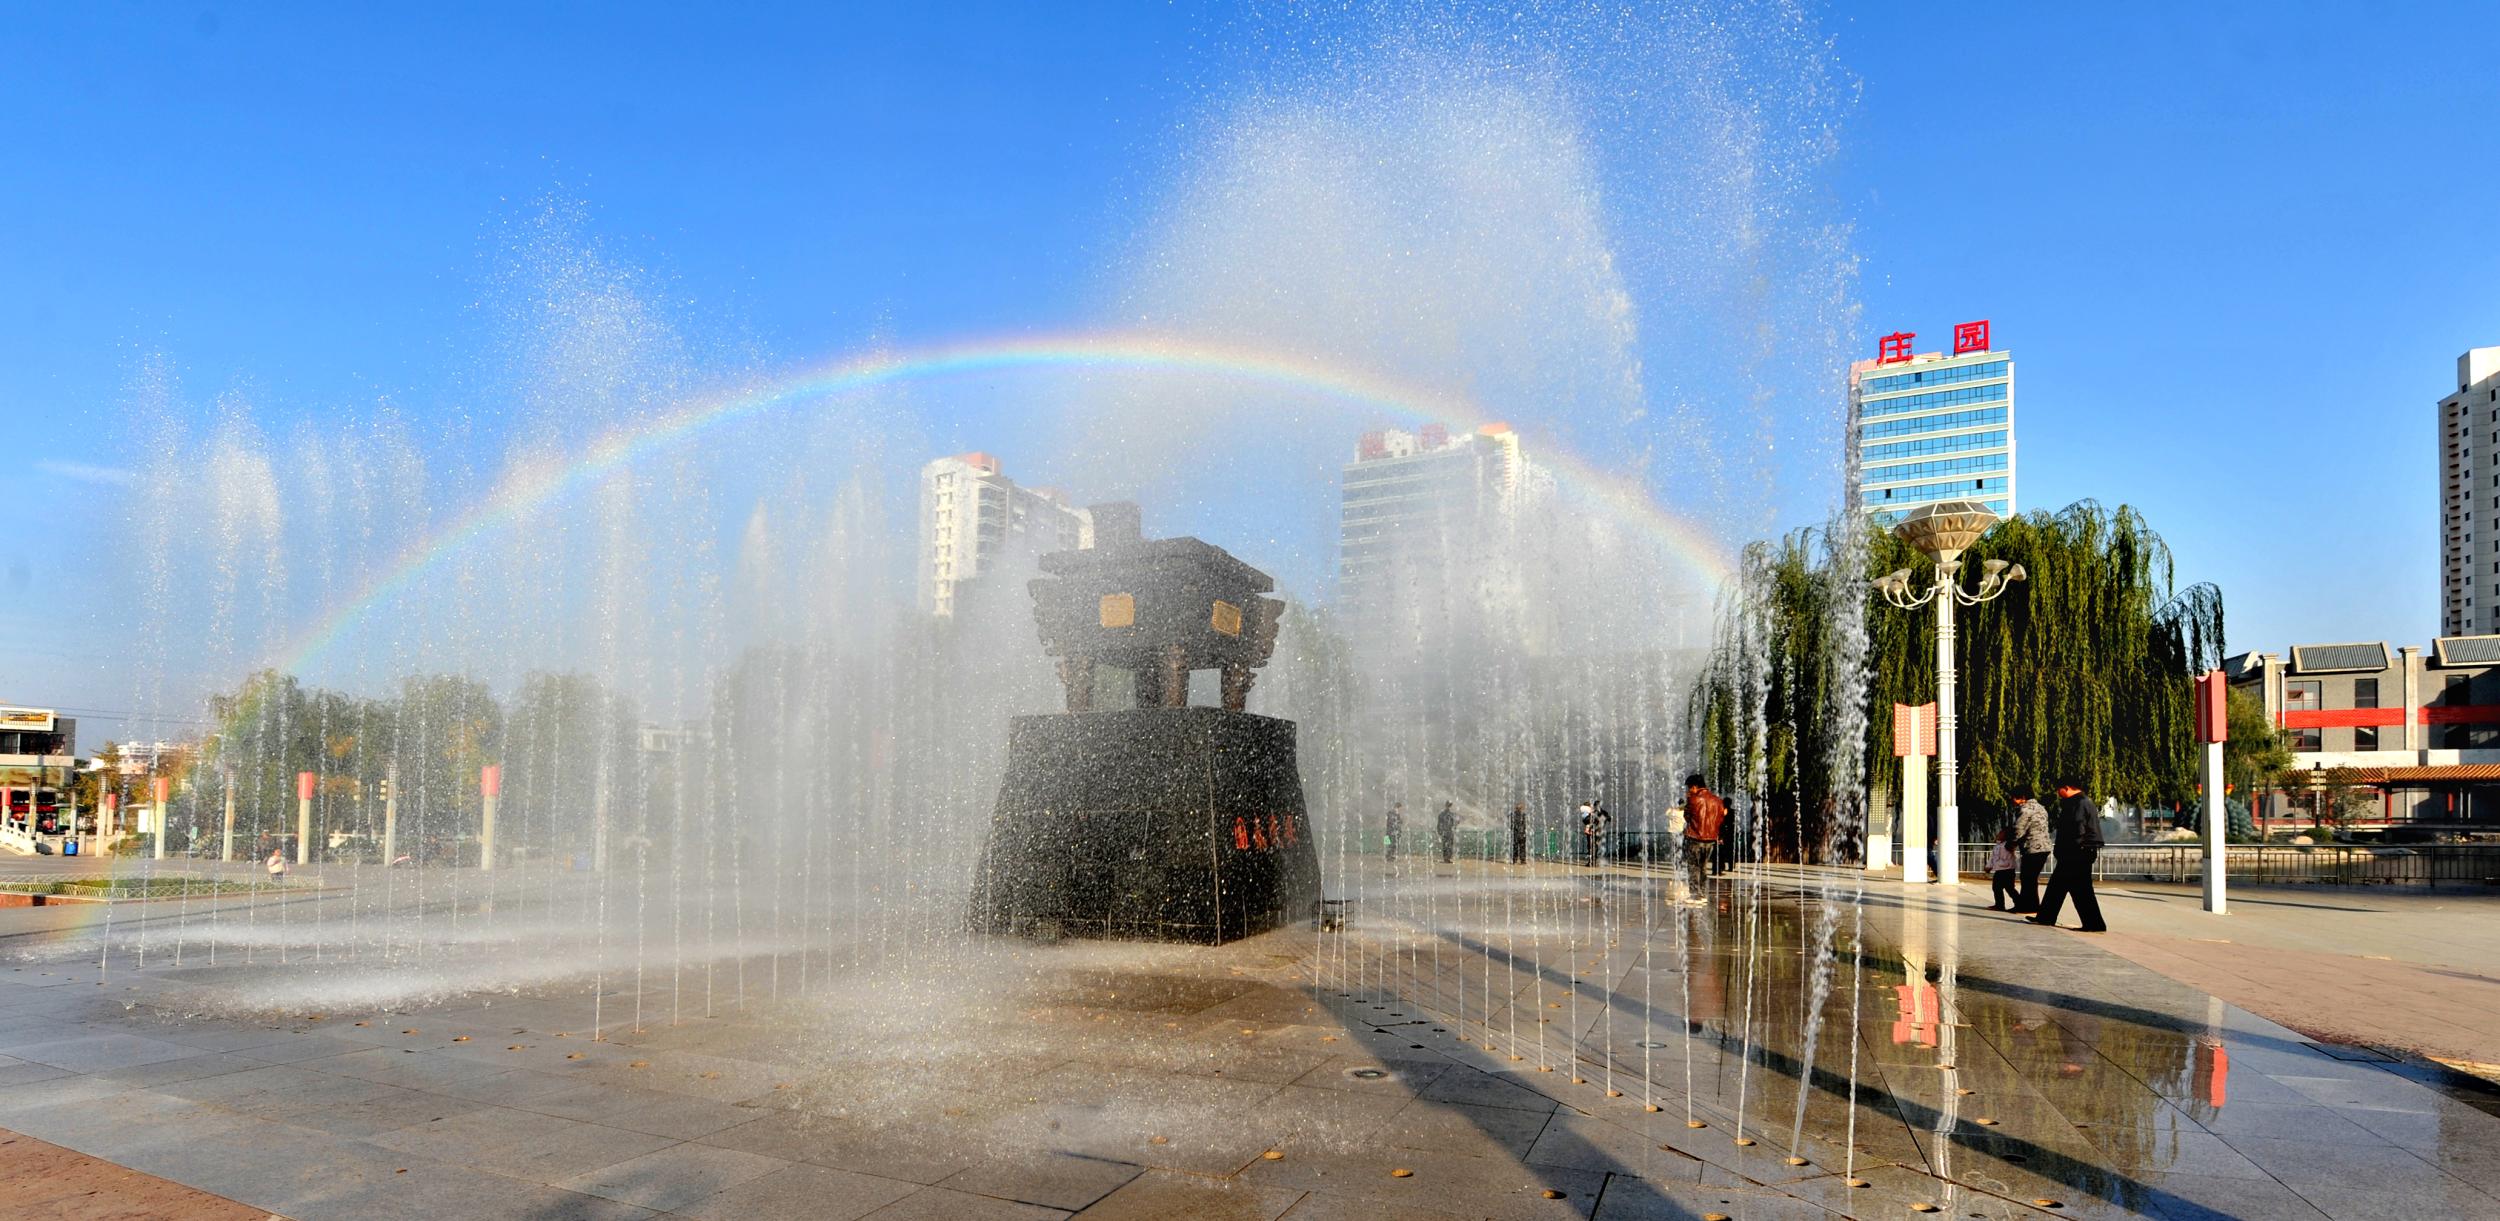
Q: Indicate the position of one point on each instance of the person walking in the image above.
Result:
(1445, 829)
(1519, 833)
(1593, 819)
(1705, 816)
(2031, 846)
(1397, 827)
(2076, 831)
(2001, 896)
(1602, 843)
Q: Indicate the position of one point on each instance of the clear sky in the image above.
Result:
(2235, 251)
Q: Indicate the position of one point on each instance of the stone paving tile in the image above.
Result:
(19, 1072)
(1161, 1195)
(511, 1087)
(288, 1049)
(801, 1193)
(939, 1204)
(189, 1068)
(1457, 1127)
(539, 1148)
(1583, 1143)
(1469, 1186)
(1053, 1180)
(2449, 1202)
(1485, 1089)
(2301, 1163)
(405, 1067)
(94, 1053)
(2189, 1197)
(1331, 1206)
(675, 1177)
(847, 1144)
(2283, 1122)
(1632, 1199)
(647, 1111)
(273, 1090)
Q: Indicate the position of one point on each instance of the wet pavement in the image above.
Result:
(1539, 1041)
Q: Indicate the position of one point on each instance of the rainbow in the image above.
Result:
(529, 489)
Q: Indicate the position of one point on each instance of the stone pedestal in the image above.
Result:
(1159, 824)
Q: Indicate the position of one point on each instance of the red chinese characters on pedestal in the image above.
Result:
(1895, 348)
(1241, 833)
(1970, 337)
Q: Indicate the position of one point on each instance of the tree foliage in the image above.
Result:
(2081, 670)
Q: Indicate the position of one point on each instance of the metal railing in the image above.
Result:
(2425, 865)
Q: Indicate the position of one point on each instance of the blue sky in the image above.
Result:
(2235, 251)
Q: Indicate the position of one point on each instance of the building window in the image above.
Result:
(2303, 739)
(2457, 690)
(2300, 694)
(2365, 693)
(2365, 737)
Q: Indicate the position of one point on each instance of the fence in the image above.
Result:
(2425, 865)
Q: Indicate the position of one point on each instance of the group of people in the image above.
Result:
(1700, 822)
(2033, 837)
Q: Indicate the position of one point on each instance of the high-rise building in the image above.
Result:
(2469, 472)
(973, 517)
(1934, 427)
(1413, 504)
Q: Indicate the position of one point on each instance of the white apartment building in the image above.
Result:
(2469, 480)
(1933, 427)
(1413, 504)
(972, 516)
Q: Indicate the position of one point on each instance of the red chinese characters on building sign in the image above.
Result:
(1895, 348)
(1970, 337)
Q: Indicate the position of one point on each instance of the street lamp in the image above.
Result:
(1943, 531)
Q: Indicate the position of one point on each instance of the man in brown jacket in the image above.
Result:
(1705, 817)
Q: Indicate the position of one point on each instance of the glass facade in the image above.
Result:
(1937, 428)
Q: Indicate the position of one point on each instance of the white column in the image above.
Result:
(2217, 824)
(490, 795)
(225, 850)
(390, 815)
(304, 782)
(163, 789)
(1948, 760)
(1914, 816)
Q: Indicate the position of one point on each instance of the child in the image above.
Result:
(2001, 874)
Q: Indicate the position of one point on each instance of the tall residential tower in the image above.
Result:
(2470, 471)
(1934, 427)
(972, 516)
(1416, 505)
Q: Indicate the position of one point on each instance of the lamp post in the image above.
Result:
(1942, 531)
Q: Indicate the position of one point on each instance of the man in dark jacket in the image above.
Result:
(1445, 830)
(2076, 827)
(1397, 827)
(1519, 833)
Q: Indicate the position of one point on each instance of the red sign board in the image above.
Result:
(303, 786)
(2213, 707)
(1970, 337)
(1913, 730)
(490, 779)
(1895, 348)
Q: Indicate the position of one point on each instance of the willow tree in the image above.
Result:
(2082, 670)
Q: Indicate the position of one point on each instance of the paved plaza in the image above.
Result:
(1480, 1041)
